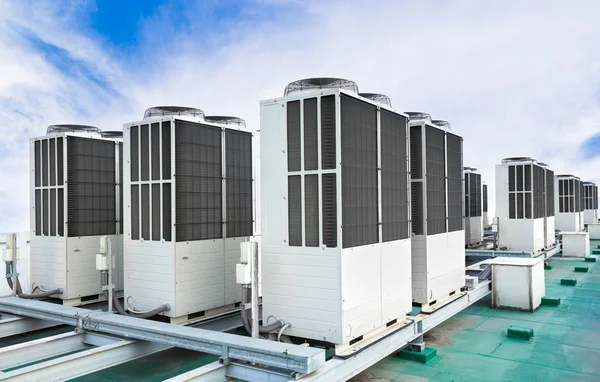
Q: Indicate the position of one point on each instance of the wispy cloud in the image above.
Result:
(514, 79)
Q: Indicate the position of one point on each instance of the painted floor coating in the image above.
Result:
(470, 346)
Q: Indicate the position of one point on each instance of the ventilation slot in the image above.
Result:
(328, 135)
(155, 152)
(329, 209)
(417, 207)
(311, 160)
(436, 181)
(295, 210)
(416, 153)
(238, 175)
(311, 210)
(293, 135)
(455, 184)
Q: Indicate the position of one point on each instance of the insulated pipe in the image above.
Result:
(148, 314)
(20, 293)
(246, 321)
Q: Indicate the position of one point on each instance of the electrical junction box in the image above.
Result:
(101, 262)
(76, 198)
(575, 244)
(517, 283)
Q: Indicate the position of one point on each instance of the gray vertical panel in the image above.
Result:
(238, 175)
(154, 135)
(45, 215)
(519, 178)
(417, 213)
(293, 135)
(53, 212)
(145, 211)
(519, 196)
(394, 173)
(329, 209)
(485, 198)
(416, 152)
(166, 195)
(511, 178)
(360, 224)
(135, 212)
(527, 177)
(311, 159)
(511, 206)
(134, 153)
(473, 195)
(527, 207)
(455, 184)
(52, 148)
(295, 210)
(467, 194)
(44, 162)
(36, 157)
(311, 210)
(38, 212)
(436, 180)
(328, 134)
(60, 162)
(478, 195)
(199, 180)
(595, 197)
(166, 150)
(121, 186)
(61, 212)
(156, 212)
(144, 152)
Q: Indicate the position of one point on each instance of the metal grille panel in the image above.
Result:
(359, 172)
(311, 160)
(455, 184)
(417, 213)
(549, 193)
(135, 212)
(416, 152)
(155, 152)
(394, 177)
(485, 198)
(311, 209)
(295, 210)
(238, 186)
(436, 180)
(329, 209)
(293, 135)
(144, 152)
(328, 135)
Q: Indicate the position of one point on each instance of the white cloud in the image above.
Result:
(514, 79)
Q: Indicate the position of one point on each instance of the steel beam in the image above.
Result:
(492, 253)
(213, 372)
(37, 350)
(84, 362)
(11, 326)
(294, 358)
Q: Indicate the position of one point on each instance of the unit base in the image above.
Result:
(87, 300)
(194, 318)
(441, 302)
(356, 345)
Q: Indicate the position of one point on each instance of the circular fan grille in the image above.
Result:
(225, 120)
(379, 98)
(320, 83)
(66, 128)
(440, 123)
(159, 111)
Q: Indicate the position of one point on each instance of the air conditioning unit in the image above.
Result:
(525, 204)
(590, 203)
(438, 242)
(188, 191)
(335, 210)
(76, 198)
(570, 203)
(473, 206)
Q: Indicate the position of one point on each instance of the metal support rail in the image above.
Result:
(286, 357)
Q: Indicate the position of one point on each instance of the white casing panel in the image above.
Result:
(569, 221)
(191, 276)
(473, 229)
(517, 283)
(327, 294)
(438, 265)
(23, 263)
(590, 216)
(575, 244)
(486, 220)
(594, 231)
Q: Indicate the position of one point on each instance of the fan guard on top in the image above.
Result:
(225, 120)
(517, 159)
(320, 83)
(68, 128)
(440, 123)
(159, 111)
(418, 115)
(112, 134)
(379, 98)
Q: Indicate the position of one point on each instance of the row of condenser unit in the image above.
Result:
(363, 211)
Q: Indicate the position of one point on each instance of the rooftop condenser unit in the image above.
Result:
(590, 203)
(189, 189)
(525, 204)
(438, 242)
(335, 210)
(76, 198)
(473, 210)
(570, 202)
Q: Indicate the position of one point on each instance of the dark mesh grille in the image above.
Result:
(61, 212)
(155, 152)
(293, 135)
(329, 209)
(38, 212)
(156, 212)
(52, 161)
(135, 212)
(539, 202)
(167, 226)
(122, 209)
(472, 195)
(311, 160)
(145, 205)
(37, 156)
(166, 150)
(455, 184)
(511, 178)
(60, 171)
(238, 175)
(394, 177)
(328, 135)
(53, 212)
(527, 177)
(45, 209)
(436, 181)
(520, 178)
(144, 152)
(198, 188)
(295, 210)
(134, 152)
(485, 198)
(359, 172)
(311, 210)
(45, 162)
(417, 207)
(416, 152)
(577, 194)
(511, 206)
(91, 187)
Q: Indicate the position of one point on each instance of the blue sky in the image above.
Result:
(514, 79)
